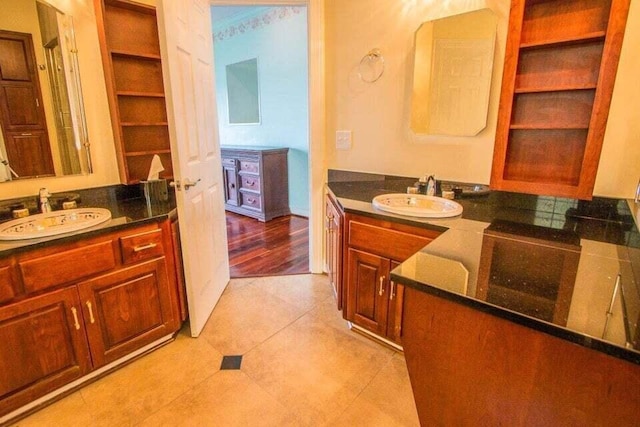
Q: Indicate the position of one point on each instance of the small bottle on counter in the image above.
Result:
(19, 211)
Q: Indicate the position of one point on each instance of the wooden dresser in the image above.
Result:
(256, 181)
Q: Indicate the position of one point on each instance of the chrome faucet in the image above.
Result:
(431, 185)
(44, 195)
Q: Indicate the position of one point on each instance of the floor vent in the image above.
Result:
(231, 362)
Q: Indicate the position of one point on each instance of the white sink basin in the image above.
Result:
(417, 205)
(53, 223)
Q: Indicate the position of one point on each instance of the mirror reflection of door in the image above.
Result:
(24, 127)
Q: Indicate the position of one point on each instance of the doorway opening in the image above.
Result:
(261, 66)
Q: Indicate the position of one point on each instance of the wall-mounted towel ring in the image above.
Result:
(371, 66)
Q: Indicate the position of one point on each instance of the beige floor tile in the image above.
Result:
(68, 412)
(235, 284)
(314, 369)
(246, 317)
(228, 398)
(132, 393)
(302, 367)
(386, 401)
(304, 291)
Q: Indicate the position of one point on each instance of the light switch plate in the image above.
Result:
(343, 140)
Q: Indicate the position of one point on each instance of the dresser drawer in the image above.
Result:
(141, 246)
(250, 182)
(249, 166)
(69, 266)
(252, 201)
(229, 162)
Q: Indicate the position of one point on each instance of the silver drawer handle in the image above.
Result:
(381, 290)
(144, 247)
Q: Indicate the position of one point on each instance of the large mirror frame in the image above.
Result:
(452, 74)
(42, 118)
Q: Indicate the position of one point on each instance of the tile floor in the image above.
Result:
(301, 366)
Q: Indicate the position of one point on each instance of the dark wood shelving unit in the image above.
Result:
(559, 73)
(135, 88)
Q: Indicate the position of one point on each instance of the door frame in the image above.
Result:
(316, 99)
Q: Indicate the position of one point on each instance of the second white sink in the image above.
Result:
(53, 223)
(417, 205)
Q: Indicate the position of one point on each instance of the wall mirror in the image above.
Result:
(243, 96)
(452, 74)
(41, 112)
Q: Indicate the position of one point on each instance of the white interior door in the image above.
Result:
(187, 62)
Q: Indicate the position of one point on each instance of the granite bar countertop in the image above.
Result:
(128, 208)
(548, 263)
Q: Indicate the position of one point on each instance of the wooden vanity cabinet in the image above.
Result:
(333, 246)
(373, 248)
(43, 347)
(79, 306)
(559, 72)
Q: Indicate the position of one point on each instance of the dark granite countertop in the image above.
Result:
(128, 208)
(548, 263)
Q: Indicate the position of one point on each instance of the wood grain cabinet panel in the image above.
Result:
(127, 309)
(112, 304)
(8, 282)
(43, 347)
(367, 303)
(374, 247)
(560, 67)
(333, 247)
(69, 266)
(142, 246)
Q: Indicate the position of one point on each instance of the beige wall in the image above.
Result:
(378, 114)
(96, 108)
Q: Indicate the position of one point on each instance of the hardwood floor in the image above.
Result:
(276, 247)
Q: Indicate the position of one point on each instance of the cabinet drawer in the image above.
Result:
(252, 201)
(142, 246)
(249, 166)
(394, 244)
(229, 162)
(7, 284)
(69, 266)
(250, 182)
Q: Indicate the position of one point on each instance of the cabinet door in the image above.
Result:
(367, 299)
(127, 310)
(43, 347)
(230, 184)
(396, 300)
(333, 248)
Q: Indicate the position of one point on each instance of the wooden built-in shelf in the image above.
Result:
(140, 55)
(566, 40)
(144, 124)
(560, 66)
(547, 127)
(143, 94)
(554, 88)
(147, 153)
(133, 72)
